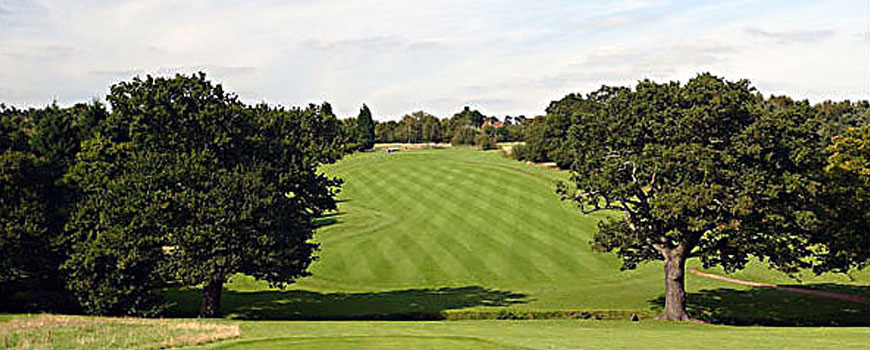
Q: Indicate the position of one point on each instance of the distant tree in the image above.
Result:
(431, 128)
(201, 187)
(411, 127)
(703, 170)
(469, 117)
(508, 120)
(547, 136)
(464, 136)
(365, 126)
(386, 131)
(515, 132)
(835, 117)
(447, 128)
(535, 136)
(521, 120)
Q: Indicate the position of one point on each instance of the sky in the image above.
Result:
(399, 56)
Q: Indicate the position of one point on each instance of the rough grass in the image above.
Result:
(420, 233)
(74, 332)
(547, 334)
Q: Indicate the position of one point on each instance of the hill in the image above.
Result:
(474, 234)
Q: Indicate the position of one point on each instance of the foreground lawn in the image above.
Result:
(422, 232)
(550, 334)
(90, 333)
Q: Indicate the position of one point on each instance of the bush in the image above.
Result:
(520, 152)
(484, 142)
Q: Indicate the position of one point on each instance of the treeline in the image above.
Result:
(712, 169)
(177, 184)
(466, 128)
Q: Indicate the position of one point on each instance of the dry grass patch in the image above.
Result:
(77, 332)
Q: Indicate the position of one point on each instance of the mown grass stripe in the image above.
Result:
(415, 254)
(549, 253)
(515, 263)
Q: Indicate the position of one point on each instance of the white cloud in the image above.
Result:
(800, 36)
(505, 57)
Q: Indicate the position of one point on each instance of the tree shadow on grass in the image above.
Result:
(775, 307)
(327, 219)
(411, 304)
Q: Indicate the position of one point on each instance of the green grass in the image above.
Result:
(468, 234)
(547, 334)
(93, 333)
(422, 232)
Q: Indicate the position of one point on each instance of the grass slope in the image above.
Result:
(426, 231)
(550, 334)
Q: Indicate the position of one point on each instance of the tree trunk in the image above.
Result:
(211, 299)
(675, 287)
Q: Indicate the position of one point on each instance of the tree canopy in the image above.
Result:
(37, 146)
(196, 187)
(706, 169)
(845, 208)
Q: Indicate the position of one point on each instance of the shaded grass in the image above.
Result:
(412, 304)
(774, 307)
(72, 332)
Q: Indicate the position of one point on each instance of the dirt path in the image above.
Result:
(819, 293)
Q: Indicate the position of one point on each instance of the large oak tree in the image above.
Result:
(191, 187)
(707, 169)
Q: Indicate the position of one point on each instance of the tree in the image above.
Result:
(468, 117)
(560, 116)
(365, 128)
(25, 218)
(535, 148)
(58, 132)
(845, 231)
(547, 136)
(200, 187)
(465, 135)
(386, 131)
(38, 146)
(703, 170)
(431, 128)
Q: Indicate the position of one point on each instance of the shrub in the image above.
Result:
(520, 152)
(484, 142)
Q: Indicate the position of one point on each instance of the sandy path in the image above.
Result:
(819, 293)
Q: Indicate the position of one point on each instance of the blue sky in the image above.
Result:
(503, 57)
